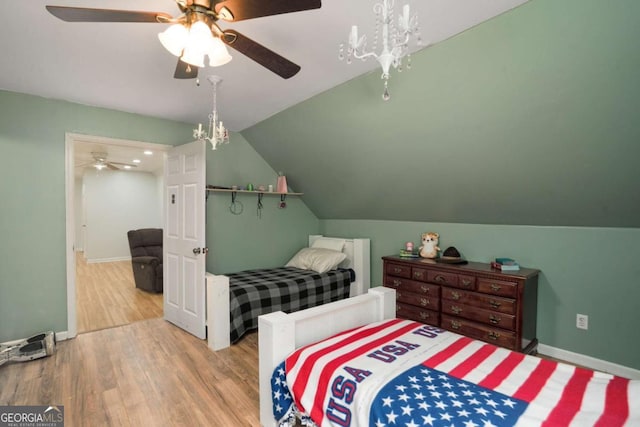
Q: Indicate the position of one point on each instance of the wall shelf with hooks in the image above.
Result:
(236, 206)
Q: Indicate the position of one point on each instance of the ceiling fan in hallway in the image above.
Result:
(195, 32)
(100, 162)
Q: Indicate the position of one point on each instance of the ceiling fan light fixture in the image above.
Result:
(218, 53)
(193, 57)
(174, 39)
(198, 43)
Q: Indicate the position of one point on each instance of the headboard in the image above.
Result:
(358, 259)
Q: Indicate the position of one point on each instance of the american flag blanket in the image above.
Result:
(399, 373)
(256, 292)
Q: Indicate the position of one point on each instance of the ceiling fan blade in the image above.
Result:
(263, 56)
(248, 9)
(185, 71)
(82, 14)
(112, 167)
(123, 164)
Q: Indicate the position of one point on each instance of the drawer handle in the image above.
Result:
(495, 287)
(397, 270)
(456, 309)
(455, 295)
(398, 294)
(455, 325)
(494, 336)
(494, 303)
(494, 319)
(397, 282)
(424, 302)
(466, 283)
(424, 289)
(417, 274)
(440, 279)
(424, 315)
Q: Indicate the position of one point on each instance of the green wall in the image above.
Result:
(245, 241)
(529, 118)
(592, 271)
(33, 287)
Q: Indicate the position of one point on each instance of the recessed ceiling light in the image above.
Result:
(148, 152)
(136, 160)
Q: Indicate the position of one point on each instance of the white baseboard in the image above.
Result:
(589, 362)
(60, 336)
(114, 259)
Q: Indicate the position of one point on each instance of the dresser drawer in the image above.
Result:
(442, 278)
(479, 331)
(492, 318)
(398, 270)
(498, 287)
(413, 286)
(488, 302)
(419, 274)
(406, 311)
(420, 300)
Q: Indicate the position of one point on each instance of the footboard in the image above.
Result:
(280, 333)
(218, 327)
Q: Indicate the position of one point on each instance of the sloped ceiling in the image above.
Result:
(529, 119)
(123, 66)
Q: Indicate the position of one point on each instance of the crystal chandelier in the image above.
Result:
(217, 133)
(394, 39)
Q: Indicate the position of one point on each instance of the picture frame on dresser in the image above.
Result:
(471, 299)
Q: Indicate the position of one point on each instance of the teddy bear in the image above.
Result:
(429, 248)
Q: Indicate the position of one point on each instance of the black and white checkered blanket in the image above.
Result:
(289, 289)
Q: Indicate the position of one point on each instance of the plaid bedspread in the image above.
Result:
(256, 292)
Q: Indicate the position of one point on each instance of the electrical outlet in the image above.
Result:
(582, 321)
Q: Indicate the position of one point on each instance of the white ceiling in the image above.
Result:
(123, 66)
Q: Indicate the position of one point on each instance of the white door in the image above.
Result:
(184, 238)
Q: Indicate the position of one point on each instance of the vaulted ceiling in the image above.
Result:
(123, 66)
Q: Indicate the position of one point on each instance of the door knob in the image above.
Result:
(196, 251)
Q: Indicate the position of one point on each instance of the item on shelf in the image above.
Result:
(429, 248)
(249, 187)
(408, 254)
(505, 261)
(451, 256)
(270, 188)
(261, 188)
(281, 184)
(505, 267)
(409, 246)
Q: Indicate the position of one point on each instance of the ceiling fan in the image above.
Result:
(100, 162)
(201, 13)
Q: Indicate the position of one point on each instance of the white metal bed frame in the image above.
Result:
(218, 326)
(279, 334)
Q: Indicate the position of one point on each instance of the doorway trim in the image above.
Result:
(70, 140)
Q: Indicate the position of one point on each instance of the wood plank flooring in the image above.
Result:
(106, 296)
(148, 373)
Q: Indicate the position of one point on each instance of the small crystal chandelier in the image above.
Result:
(395, 40)
(217, 133)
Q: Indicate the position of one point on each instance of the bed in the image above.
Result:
(227, 300)
(375, 370)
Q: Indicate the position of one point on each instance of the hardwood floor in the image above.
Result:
(106, 296)
(148, 373)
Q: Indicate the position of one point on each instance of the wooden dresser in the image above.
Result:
(471, 299)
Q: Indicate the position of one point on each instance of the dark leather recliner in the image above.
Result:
(146, 258)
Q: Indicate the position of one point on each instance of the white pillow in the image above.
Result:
(333, 244)
(317, 259)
